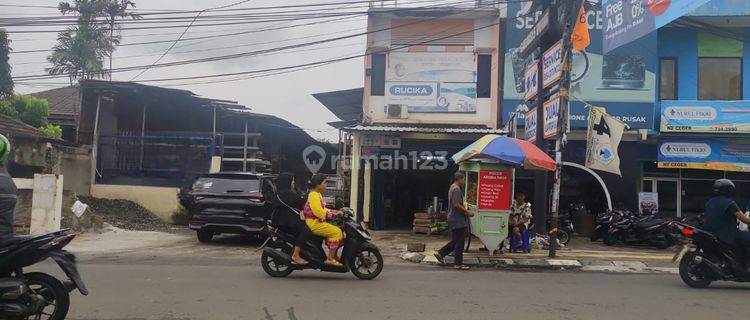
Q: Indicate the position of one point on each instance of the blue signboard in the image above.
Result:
(705, 116)
(622, 81)
(628, 20)
(705, 153)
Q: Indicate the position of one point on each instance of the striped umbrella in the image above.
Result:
(509, 151)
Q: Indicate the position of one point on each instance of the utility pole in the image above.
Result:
(570, 10)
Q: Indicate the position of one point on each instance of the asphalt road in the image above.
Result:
(224, 281)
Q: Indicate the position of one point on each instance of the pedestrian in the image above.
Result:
(8, 192)
(520, 218)
(458, 221)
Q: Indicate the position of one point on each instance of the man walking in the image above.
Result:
(458, 221)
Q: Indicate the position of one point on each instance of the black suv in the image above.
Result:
(238, 203)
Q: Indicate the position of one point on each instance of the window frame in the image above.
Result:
(484, 77)
(676, 78)
(698, 83)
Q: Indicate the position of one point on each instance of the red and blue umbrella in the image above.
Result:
(507, 150)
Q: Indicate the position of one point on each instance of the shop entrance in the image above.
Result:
(670, 203)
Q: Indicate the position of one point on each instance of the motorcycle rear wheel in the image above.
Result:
(563, 236)
(610, 239)
(367, 262)
(690, 273)
(54, 292)
(275, 268)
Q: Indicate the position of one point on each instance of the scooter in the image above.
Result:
(640, 230)
(37, 295)
(359, 255)
(704, 258)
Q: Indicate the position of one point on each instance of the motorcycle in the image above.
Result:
(35, 294)
(603, 221)
(704, 258)
(359, 255)
(635, 229)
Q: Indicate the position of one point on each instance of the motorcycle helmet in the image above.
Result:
(4, 150)
(724, 187)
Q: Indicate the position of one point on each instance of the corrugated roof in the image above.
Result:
(64, 101)
(345, 104)
(426, 129)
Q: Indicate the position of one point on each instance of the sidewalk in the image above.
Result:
(580, 254)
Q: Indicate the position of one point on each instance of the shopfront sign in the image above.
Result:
(535, 34)
(628, 20)
(551, 64)
(437, 82)
(705, 116)
(624, 80)
(551, 116)
(530, 125)
(531, 80)
(494, 190)
(705, 153)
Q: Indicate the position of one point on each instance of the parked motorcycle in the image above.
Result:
(704, 258)
(634, 229)
(565, 229)
(359, 255)
(37, 295)
(603, 221)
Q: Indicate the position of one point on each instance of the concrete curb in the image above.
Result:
(611, 266)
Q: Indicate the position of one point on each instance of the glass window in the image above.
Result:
(695, 194)
(668, 79)
(472, 184)
(377, 75)
(484, 75)
(720, 79)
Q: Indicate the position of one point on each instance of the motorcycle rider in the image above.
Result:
(8, 192)
(722, 214)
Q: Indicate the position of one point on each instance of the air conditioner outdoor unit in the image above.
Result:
(397, 111)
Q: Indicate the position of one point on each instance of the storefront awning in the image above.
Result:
(424, 129)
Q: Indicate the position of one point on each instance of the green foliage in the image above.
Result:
(6, 81)
(52, 131)
(81, 49)
(30, 110)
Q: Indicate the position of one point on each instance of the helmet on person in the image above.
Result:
(4, 150)
(724, 187)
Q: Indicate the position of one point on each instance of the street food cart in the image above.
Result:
(488, 165)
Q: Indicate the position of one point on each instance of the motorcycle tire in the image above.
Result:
(690, 275)
(56, 294)
(272, 267)
(563, 237)
(594, 236)
(359, 260)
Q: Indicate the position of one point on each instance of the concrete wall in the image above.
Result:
(46, 204)
(161, 201)
(75, 165)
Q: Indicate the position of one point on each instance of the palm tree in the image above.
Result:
(81, 49)
(115, 9)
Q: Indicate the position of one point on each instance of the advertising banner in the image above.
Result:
(530, 125)
(648, 202)
(426, 82)
(705, 153)
(603, 140)
(551, 116)
(531, 80)
(628, 20)
(494, 190)
(705, 116)
(551, 62)
(624, 80)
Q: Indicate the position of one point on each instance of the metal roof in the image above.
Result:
(425, 129)
(345, 104)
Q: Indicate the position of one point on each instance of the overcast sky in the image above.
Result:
(287, 95)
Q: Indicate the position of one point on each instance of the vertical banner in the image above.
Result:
(530, 125)
(628, 20)
(551, 116)
(603, 139)
(531, 80)
(494, 190)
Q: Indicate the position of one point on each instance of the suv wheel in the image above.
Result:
(205, 236)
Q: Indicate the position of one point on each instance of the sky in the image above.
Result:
(286, 95)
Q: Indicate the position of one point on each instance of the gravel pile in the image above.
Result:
(125, 214)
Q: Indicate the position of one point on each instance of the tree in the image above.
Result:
(115, 9)
(81, 49)
(6, 81)
(30, 110)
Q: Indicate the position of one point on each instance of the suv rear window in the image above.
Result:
(227, 184)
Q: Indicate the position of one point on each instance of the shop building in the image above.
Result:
(703, 111)
(430, 90)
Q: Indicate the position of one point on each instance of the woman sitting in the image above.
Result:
(316, 216)
(287, 207)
